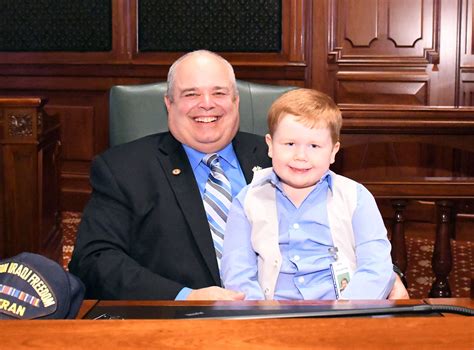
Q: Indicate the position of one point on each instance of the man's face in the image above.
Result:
(300, 155)
(203, 111)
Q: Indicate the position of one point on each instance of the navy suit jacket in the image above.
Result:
(144, 233)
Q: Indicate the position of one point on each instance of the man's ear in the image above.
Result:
(237, 99)
(335, 149)
(268, 140)
(167, 102)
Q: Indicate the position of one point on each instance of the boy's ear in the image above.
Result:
(335, 149)
(268, 140)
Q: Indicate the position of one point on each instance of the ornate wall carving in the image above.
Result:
(20, 125)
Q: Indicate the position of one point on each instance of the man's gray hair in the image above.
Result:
(172, 70)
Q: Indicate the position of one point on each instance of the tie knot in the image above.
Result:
(211, 160)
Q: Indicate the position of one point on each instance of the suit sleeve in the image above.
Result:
(102, 257)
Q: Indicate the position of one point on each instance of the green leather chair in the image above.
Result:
(139, 110)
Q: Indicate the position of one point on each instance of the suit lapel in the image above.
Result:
(174, 160)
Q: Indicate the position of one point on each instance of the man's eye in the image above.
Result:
(190, 94)
(220, 93)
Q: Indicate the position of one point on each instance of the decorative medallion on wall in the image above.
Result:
(52, 25)
(216, 25)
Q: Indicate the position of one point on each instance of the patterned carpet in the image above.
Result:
(419, 273)
(420, 250)
(69, 223)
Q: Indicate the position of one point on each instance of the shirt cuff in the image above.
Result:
(183, 293)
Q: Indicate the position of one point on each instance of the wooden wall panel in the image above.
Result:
(401, 12)
(467, 87)
(380, 50)
(384, 31)
(84, 133)
(467, 37)
(77, 135)
(403, 160)
(77, 131)
(406, 142)
(466, 69)
(49, 194)
(360, 33)
(405, 88)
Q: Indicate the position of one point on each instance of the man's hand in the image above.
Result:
(398, 291)
(215, 293)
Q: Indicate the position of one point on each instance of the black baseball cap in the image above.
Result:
(35, 287)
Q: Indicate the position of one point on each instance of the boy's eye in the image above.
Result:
(314, 146)
(289, 143)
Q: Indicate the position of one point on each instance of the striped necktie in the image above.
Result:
(217, 200)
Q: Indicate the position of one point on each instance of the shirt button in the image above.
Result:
(296, 258)
(301, 279)
(296, 226)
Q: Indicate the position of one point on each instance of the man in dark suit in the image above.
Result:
(144, 233)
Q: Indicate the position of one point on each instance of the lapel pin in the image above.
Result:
(176, 171)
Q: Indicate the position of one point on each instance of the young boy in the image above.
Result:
(298, 228)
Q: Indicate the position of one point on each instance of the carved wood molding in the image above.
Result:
(372, 32)
(408, 120)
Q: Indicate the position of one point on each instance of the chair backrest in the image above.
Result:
(139, 110)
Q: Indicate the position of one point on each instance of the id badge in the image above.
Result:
(341, 275)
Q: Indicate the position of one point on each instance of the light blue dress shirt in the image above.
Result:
(304, 240)
(230, 165)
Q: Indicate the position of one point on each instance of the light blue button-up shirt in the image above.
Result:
(229, 163)
(304, 241)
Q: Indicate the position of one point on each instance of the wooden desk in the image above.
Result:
(377, 333)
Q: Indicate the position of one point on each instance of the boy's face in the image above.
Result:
(300, 155)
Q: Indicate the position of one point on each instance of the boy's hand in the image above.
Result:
(398, 291)
(215, 293)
